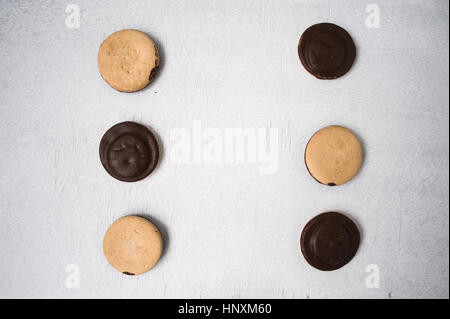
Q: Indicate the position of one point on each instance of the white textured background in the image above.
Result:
(229, 231)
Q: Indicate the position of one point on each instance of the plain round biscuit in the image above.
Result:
(333, 155)
(128, 60)
(132, 245)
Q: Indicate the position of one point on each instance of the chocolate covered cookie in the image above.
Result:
(326, 50)
(129, 151)
(329, 241)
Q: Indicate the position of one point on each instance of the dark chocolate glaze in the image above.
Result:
(129, 151)
(326, 51)
(128, 273)
(329, 241)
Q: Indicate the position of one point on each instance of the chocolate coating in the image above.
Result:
(326, 51)
(129, 151)
(329, 241)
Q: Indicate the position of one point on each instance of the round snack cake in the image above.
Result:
(129, 151)
(333, 155)
(329, 241)
(128, 60)
(326, 51)
(132, 245)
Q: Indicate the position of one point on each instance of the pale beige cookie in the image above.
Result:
(333, 155)
(132, 245)
(128, 60)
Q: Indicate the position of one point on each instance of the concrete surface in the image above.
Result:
(230, 229)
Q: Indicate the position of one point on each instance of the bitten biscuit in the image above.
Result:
(128, 60)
